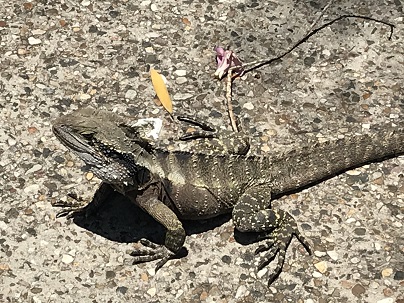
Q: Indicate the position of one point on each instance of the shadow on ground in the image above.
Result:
(119, 220)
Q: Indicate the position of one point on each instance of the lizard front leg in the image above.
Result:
(252, 214)
(83, 207)
(175, 235)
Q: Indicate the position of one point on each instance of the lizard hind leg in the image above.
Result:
(277, 243)
(276, 227)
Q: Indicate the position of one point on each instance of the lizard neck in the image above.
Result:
(155, 160)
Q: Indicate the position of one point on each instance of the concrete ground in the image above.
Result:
(58, 56)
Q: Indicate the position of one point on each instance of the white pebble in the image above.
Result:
(11, 141)
(30, 189)
(38, 32)
(149, 50)
(151, 271)
(34, 41)
(398, 224)
(181, 80)
(33, 169)
(353, 172)
(153, 7)
(241, 291)
(67, 259)
(333, 254)
(85, 97)
(3, 225)
(262, 272)
(326, 52)
(40, 85)
(248, 105)
(350, 220)
(180, 72)
(36, 299)
(316, 274)
(318, 253)
(321, 266)
(152, 292)
(130, 94)
(184, 96)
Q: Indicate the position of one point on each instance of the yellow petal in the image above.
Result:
(161, 90)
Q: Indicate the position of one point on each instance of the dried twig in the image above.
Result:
(229, 81)
(258, 63)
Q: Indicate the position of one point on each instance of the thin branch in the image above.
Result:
(258, 63)
(229, 101)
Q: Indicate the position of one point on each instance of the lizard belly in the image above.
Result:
(193, 202)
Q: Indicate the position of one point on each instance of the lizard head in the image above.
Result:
(99, 139)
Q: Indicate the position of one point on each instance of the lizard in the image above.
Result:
(175, 185)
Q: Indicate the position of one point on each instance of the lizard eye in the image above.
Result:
(88, 135)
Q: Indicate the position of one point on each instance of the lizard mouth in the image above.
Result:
(109, 169)
(78, 145)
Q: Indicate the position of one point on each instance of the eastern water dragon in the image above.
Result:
(174, 185)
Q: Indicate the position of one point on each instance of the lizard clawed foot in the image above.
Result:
(206, 132)
(202, 125)
(277, 244)
(71, 208)
(150, 252)
(78, 207)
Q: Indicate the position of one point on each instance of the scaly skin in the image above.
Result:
(171, 186)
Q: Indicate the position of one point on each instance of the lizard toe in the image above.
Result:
(76, 207)
(277, 243)
(150, 252)
(276, 247)
(73, 212)
(68, 213)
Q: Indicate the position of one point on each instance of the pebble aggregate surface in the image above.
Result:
(62, 55)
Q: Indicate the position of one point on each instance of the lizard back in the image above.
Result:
(203, 185)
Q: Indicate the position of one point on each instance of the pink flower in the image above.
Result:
(227, 59)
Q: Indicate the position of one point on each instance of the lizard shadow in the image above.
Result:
(119, 220)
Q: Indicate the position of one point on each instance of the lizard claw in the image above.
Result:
(204, 126)
(69, 213)
(150, 252)
(277, 244)
(72, 211)
(71, 208)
